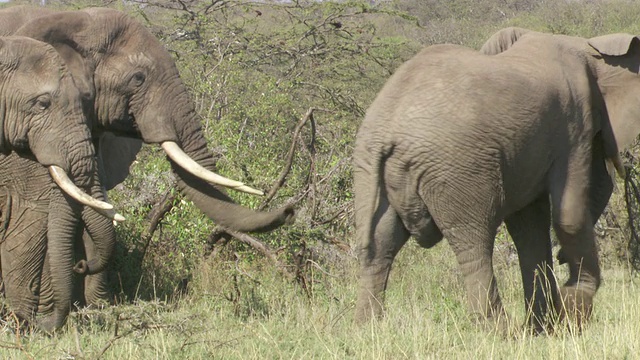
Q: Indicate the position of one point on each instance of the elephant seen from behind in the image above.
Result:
(524, 132)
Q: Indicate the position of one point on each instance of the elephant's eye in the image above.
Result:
(138, 78)
(43, 102)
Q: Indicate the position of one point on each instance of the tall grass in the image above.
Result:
(249, 311)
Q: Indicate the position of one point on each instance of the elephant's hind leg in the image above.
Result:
(413, 212)
(376, 258)
(529, 229)
(473, 247)
(467, 215)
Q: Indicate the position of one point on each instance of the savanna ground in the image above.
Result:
(281, 88)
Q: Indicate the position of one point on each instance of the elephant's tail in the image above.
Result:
(369, 191)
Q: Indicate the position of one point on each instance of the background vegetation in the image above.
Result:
(281, 87)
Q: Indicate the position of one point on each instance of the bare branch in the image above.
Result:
(261, 247)
(290, 156)
(156, 215)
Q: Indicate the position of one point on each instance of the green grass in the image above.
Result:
(242, 310)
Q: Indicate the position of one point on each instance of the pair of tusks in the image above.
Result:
(176, 154)
(63, 181)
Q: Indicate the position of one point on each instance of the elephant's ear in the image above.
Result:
(8, 60)
(62, 30)
(115, 156)
(502, 40)
(8, 57)
(613, 44)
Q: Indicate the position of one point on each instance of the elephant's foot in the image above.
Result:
(497, 322)
(535, 326)
(574, 306)
(368, 307)
(49, 324)
(544, 320)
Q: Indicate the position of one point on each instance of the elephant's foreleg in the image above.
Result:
(376, 258)
(601, 182)
(96, 289)
(574, 228)
(600, 187)
(529, 229)
(22, 256)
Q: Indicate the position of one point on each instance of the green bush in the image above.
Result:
(255, 69)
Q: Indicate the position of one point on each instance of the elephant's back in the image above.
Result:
(452, 111)
(12, 18)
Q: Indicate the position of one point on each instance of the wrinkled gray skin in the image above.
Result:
(25, 207)
(41, 113)
(457, 142)
(132, 89)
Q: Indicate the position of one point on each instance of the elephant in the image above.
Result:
(31, 278)
(42, 118)
(132, 88)
(132, 93)
(527, 132)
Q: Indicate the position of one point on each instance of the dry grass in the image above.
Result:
(240, 311)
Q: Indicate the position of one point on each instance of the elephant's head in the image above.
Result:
(132, 88)
(41, 114)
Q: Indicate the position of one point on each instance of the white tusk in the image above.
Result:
(63, 181)
(111, 214)
(248, 190)
(176, 154)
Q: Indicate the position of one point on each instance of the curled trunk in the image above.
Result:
(66, 218)
(102, 234)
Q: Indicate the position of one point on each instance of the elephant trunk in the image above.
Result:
(62, 227)
(212, 200)
(100, 230)
(95, 286)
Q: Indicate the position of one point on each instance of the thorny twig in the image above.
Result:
(135, 327)
(234, 297)
(113, 339)
(300, 264)
(219, 345)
